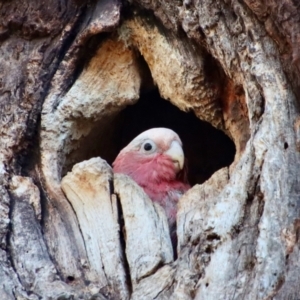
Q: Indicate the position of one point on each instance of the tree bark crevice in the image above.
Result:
(69, 70)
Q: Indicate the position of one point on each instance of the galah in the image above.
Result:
(155, 160)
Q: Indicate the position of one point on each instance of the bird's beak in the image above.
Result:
(176, 153)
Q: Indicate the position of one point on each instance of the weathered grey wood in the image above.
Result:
(156, 286)
(30, 259)
(148, 243)
(234, 63)
(87, 188)
(62, 117)
(169, 65)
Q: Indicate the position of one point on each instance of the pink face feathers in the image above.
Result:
(155, 160)
(155, 155)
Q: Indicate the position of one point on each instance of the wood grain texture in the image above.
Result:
(68, 69)
(87, 188)
(148, 243)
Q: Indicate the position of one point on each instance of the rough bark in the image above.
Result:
(69, 227)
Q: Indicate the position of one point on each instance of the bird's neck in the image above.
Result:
(155, 171)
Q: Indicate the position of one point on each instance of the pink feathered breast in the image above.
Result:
(157, 176)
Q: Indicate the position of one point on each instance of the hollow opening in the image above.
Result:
(206, 148)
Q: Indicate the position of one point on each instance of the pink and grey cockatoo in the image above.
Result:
(155, 160)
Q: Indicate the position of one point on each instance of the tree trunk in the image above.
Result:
(70, 228)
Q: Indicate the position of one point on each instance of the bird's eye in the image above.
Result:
(148, 147)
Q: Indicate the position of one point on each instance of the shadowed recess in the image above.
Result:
(206, 148)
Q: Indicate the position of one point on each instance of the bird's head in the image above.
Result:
(154, 155)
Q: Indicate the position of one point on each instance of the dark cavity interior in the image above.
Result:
(206, 148)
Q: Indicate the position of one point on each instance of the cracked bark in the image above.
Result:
(68, 69)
